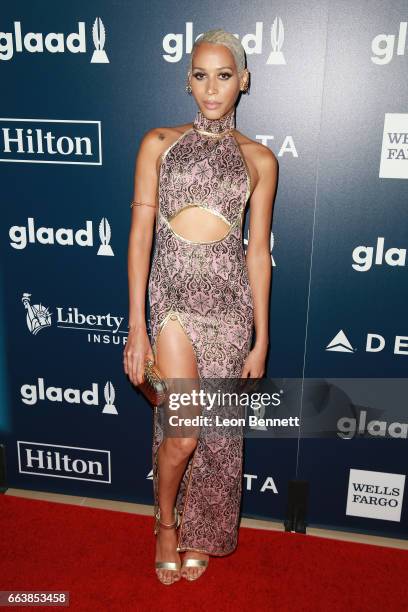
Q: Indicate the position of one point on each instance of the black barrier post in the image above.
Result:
(298, 496)
(3, 486)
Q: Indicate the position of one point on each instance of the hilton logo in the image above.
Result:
(54, 42)
(22, 235)
(38, 459)
(50, 141)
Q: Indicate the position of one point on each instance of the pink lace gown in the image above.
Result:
(205, 286)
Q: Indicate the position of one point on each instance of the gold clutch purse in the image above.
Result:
(154, 387)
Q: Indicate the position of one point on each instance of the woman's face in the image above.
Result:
(215, 82)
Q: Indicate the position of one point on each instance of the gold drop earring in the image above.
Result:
(188, 87)
(244, 89)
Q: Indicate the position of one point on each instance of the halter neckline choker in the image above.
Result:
(214, 127)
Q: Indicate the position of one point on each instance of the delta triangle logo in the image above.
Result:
(340, 344)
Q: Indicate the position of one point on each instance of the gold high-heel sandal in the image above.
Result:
(167, 565)
(194, 563)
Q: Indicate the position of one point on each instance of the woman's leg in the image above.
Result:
(175, 358)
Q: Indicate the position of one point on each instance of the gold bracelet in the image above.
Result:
(141, 204)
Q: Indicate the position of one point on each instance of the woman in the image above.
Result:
(195, 180)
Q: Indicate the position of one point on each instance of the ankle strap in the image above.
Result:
(167, 525)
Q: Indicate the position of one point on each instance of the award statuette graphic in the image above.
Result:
(38, 316)
(104, 237)
(98, 35)
(109, 395)
(277, 36)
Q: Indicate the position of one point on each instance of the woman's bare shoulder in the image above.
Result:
(157, 140)
(257, 151)
(162, 137)
(259, 158)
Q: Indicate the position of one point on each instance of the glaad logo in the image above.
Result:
(364, 256)
(349, 428)
(376, 495)
(51, 141)
(59, 461)
(39, 317)
(32, 394)
(394, 151)
(375, 343)
(383, 45)
(21, 236)
(54, 42)
(253, 43)
(272, 242)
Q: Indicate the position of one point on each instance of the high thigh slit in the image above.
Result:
(205, 286)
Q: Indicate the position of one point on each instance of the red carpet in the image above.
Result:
(105, 559)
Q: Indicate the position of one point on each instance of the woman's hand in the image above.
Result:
(254, 365)
(137, 351)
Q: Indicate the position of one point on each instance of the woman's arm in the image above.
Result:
(258, 256)
(139, 250)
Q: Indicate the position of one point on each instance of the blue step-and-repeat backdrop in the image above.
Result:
(81, 84)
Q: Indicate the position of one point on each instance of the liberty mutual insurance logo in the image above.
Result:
(54, 42)
(99, 328)
(38, 316)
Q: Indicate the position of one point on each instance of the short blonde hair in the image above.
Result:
(221, 37)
